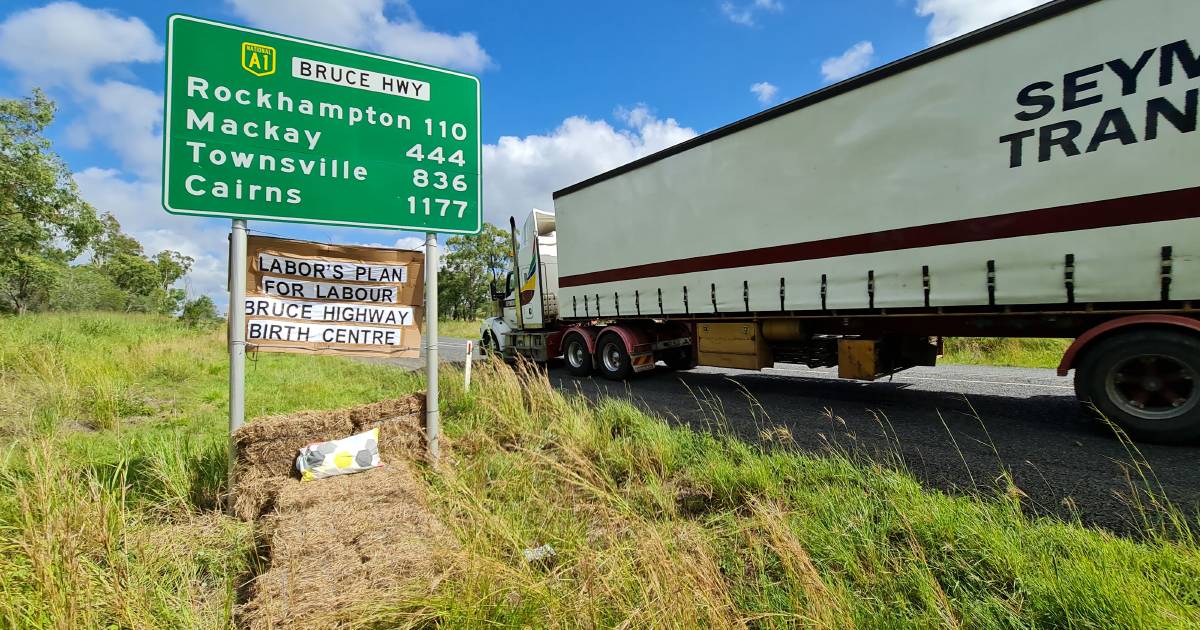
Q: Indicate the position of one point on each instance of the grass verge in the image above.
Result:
(114, 460)
(115, 433)
(459, 328)
(654, 526)
(1006, 352)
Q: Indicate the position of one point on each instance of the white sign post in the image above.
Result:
(237, 332)
(432, 418)
(467, 369)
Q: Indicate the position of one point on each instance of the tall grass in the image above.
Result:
(1005, 351)
(655, 526)
(459, 328)
(113, 472)
(114, 466)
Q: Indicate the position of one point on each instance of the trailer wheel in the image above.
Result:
(1145, 381)
(613, 358)
(575, 352)
(489, 346)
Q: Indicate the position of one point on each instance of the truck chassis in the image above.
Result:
(1135, 364)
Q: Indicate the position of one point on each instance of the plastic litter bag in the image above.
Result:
(339, 457)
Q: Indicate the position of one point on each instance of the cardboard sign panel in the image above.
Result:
(290, 287)
(339, 312)
(332, 270)
(317, 298)
(265, 126)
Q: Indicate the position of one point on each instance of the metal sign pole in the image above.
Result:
(237, 338)
(431, 345)
(237, 326)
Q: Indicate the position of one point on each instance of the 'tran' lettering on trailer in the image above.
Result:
(1161, 67)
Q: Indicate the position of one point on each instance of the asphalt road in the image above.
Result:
(450, 350)
(956, 428)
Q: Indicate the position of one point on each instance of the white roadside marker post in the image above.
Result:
(431, 346)
(237, 333)
(467, 370)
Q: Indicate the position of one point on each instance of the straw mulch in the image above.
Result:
(333, 545)
(265, 450)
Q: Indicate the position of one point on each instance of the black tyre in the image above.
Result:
(613, 359)
(576, 356)
(489, 345)
(681, 359)
(1147, 382)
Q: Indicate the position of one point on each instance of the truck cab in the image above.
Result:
(527, 304)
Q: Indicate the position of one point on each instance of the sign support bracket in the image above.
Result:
(432, 415)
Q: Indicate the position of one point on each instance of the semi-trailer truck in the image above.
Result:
(1039, 177)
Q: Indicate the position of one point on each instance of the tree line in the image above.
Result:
(56, 251)
(472, 262)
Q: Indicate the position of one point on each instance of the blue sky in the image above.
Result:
(570, 89)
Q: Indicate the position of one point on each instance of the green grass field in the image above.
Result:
(114, 459)
(1011, 352)
(461, 329)
(114, 429)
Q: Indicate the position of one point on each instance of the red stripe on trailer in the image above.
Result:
(1138, 209)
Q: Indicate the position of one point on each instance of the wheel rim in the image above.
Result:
(611, 357)
(1153, 387)
(576, 354)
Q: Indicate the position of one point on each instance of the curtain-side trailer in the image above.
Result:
(1036, 178)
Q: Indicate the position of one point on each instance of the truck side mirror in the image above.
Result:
(495, 294)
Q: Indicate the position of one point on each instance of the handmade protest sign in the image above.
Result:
(332, 299)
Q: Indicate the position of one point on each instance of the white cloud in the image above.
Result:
(745, 14)
(208, 250)
(65, 47)
(64, 42)
(409, 242)
(522, 173)
(856, 59)
(127, 118)
(765, 92)
(135, 202)
(61, 46)
(952, 18)
(390, 27)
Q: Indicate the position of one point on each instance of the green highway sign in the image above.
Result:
(270, 127)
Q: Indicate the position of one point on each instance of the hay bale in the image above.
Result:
(401, 425)
(336, 543)
(270, 445)
(386, 409)
(343, 541)
(254, 493)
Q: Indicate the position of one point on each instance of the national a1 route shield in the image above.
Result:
(270, 127)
